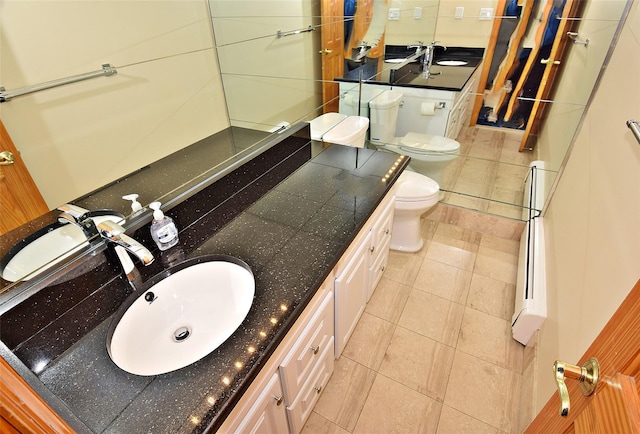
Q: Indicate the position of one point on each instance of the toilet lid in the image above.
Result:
(416, 187)
(427, 143)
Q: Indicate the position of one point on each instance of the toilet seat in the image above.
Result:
(350, 132)
(414, 187)
(428, 144)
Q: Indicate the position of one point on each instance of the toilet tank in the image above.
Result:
(383, 112)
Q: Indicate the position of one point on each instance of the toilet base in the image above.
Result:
(405, 236)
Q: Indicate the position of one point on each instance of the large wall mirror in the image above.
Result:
(190, 69)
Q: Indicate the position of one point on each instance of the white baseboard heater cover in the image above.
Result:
(531, 293)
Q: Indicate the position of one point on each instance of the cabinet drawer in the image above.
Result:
(377, 268)
(298, 412)
(306, 352)
(268, 414)
(381, 231)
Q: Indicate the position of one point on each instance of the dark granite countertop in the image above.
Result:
(449, 78)
(290, 213)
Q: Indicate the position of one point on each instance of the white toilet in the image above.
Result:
(415, 195)
(429, 154)
(340, 129)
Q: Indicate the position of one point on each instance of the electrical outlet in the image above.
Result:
(394, 14)
(459, 12)
(486, 14)
(417, 13)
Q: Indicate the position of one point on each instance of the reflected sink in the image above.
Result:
(181, 315)
(450, 62)
(48, 247)
(394, 60)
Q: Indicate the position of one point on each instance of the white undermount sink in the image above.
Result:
(450, 62)
(48, 248)
(181, 315)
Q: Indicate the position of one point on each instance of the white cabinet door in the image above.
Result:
(268, 415)
(351, 295)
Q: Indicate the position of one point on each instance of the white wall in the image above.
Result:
(468, 31)
(166, 95)
(591, 226)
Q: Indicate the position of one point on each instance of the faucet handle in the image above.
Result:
(109, 229)
(74, 211)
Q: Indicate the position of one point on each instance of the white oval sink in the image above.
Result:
(49, 247)
(394, 60)
(181, 315)
(451, 62)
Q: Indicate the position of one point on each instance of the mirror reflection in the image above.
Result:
(188, 70)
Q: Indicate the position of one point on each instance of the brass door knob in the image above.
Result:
(6, 158)
(587, 375)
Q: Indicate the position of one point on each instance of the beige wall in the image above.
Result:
(591, 226)
(75, 138)
(468, 31)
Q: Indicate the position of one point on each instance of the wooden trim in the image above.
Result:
(22, 410)
(617, 349)
(486, 64)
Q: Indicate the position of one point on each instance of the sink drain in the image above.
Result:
(181, 334)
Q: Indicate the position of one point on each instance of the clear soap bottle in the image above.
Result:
(163, 229)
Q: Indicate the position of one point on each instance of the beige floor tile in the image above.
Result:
(346, 393)
(369, 341)
(496, 265)
(403, 267)
(443, 280)
(473, 238)
(500, 244)
(489, 338)
(394, 408)
(492, 296)
(455, 422)
(418, 362)
(433, 317)
(483, 391)
(388, 300)
(454, 252)
(317, 424)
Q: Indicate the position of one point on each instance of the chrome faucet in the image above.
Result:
(427, 60)
(114, 233)
(78, 216)
(363, 48)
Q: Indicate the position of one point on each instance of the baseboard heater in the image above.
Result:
(531, 295)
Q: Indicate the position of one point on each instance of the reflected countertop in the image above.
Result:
(449, 78)
(290, 213)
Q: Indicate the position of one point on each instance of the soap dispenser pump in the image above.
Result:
(136, 206)
(163, 229)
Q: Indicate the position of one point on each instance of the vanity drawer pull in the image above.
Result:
(315, 349)
(318, 389)
(279, 400)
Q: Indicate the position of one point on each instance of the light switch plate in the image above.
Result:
(417, 13)
(486, 14)
(459, 12)
(394, 14)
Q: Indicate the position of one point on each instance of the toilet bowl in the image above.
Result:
(415, 195)
(429, 154)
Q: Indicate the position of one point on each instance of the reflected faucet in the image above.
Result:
(363, 48)
(427, 60)
(78, 216)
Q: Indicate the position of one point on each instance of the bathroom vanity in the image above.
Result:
(313, 224)
(448, 90)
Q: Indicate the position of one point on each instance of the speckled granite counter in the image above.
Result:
(290, 214)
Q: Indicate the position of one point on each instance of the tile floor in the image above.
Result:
(432, 352)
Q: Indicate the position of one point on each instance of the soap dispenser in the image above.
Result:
(163, 229)
(136, 206)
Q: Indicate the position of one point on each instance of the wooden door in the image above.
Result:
(332, 52)
(20, 200)
(614, 406)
